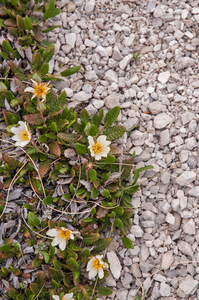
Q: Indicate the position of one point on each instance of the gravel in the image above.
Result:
(159, 93)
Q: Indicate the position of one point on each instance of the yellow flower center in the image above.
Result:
(64, 234)
(40, 89)
(25, 136)
(97, 265)
(97, 148)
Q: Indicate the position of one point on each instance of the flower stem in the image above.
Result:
(38, 102)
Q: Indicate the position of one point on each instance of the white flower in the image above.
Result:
(62, 235)
(40, 89)
(100, 147)
(65, 297)
(96, 265)
(22, 134)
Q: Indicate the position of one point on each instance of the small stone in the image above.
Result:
(135, 270)
(89, 43)
(167, 260)
(159, 11)
(164, 77)
(144, 253)
(186, 177)
(191, 143)
(183, 155)
(146, 267)
(164, 137)
(91, 76)
(69, 92)
(165, 289)
(110, 281)
(125, 61)
(189, 227)
(116, 54)
(89, 7)
(126, 280)
(101, 50)
(177, 223)
(155, 107)
(185, 248)
(170, 219)
(70, 39)
(111, 76)
(187, 117)
(115, 265)
(184, 62)
(179, 98)
(194, 192)
(82, 96)
(137, 231)
(188, 285)
(112, 101)
(151, 6)
(164, 207)
(162, 120)
(147, 284)
(71, 7)
(98, 103)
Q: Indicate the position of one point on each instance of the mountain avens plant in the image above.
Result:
(67, 160)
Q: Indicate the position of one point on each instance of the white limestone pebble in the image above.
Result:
(162, 120)
(189, 227)
(164, 77)
(167, 260)
(115, 265)
(155, 107)
(188, 285)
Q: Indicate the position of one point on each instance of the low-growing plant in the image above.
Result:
(70, 161)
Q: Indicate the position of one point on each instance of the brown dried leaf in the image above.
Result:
(34, 119)
(44, 167)
(101, 212)
(55, 148)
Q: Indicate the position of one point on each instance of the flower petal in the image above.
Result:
(62, 245)
(21, 144)
(90, 264)
(52, 232)
(29, 89)
(67, 296)
(92, 273)
(56, 241)
(55, 297)
(101, 273)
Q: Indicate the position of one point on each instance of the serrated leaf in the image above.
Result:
(97, 119)
(93, 130)
(85, 253)
(68, 137)
(5, 248)
(35, 288)
(48, 54)
(10, 118)
(44, 167)
(3, 87)
(58, 106)
(33, 221)
(91, 238)
(10, 22)
(12, 163)
(20, 23)
(80, 148)
(44, 69)
(70, 71)
(13, 31)
(104, 291)
(46, 256)
(127, 242)
(127, 166)
(114, 132)
(84, 116)
(41, 276)
(36, 61)
(56, 274)
(18, 71)
(51, 11)
(55, 148)
(34, 119)
(111, 116)
(102, 244)
(6, 47)
(27, 23)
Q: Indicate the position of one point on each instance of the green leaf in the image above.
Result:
(20, 23)
(92, 174)
(58, 106)
(106, 176)
(91, 238)
(50, 28)
(114, 132)
(111, 116)
(104, 291)
(119, 223)
(48, 200)
(102, 244)
(72, 261)
(3, 87)
(19, 72)
(106, 193)
(35, 288)
(94, 193)
(127, 242)
(70, 71)
(48, 54)
(27, 23)
(84, 116)
(109, 159)
(127, 166)
(5, 248)
(86, 253)
(81, 148)
(56, 274)
(119, 210)
(32, 219)
(93, 130)
(44, 69)
(36, 61)
(51, 11)
(97, 119)
(6, 47)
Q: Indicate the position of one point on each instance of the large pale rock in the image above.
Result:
(115, 265)
(167, 260)
(162, 120)
(112, 101)
(188, 285)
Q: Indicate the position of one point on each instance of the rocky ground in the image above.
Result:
(158, 93)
